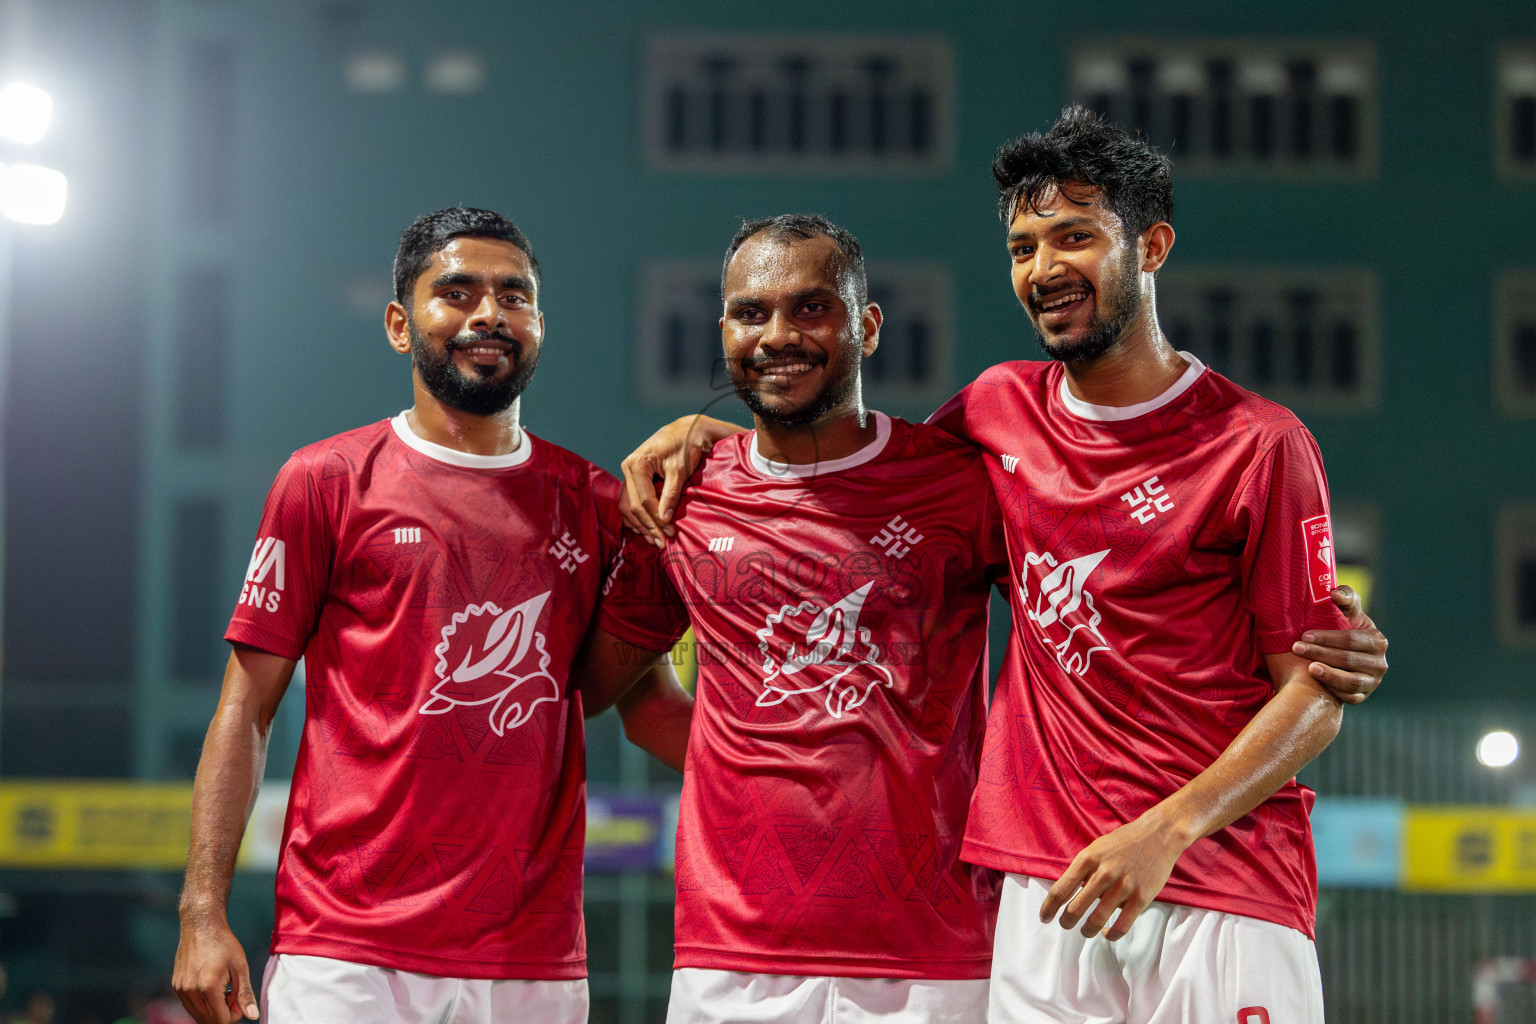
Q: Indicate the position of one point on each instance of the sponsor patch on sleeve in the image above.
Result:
(1317, 539)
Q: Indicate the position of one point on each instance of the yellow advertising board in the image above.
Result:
(94, 825)
(1469, 849)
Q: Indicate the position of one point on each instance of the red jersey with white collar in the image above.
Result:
(438, 805)
(1158, 552)
(841, 613)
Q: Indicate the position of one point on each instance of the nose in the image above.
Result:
(778, 332)
(1045, 267)
(488, 315)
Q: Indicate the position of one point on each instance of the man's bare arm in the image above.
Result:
(657, 714)
(608, 670)
(209, 958)
(1126, 869)
(672, 453)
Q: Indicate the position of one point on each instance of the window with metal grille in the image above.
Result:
(1517, 575)
(1514, 342)
(1515, 116)
(1305, 338)
(773, 104)
(1293, 107)
(681, 360)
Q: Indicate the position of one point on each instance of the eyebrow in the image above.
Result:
(736, 302)
(1070, 222)
(453, 277)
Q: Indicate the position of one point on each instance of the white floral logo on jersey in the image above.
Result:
(807, 649)
(1063, 610)
(499, 659)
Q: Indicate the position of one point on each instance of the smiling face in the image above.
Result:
(793, 330)
(474, 327)
(1075, 271)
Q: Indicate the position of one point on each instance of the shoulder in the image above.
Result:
(1247, 416)
(567, 469)
(1015, 383)
(340, 454)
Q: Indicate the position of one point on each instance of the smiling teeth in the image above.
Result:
(1054, 303)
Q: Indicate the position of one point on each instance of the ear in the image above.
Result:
(1156, 243)
(397, 325)
(872, 321)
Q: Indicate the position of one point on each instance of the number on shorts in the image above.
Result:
(1253, 1015)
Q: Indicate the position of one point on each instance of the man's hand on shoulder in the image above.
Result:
(670, 455)
(209, 961)
(1348, 662)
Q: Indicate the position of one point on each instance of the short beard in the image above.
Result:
(480, 395)
(1103, 331)
(830, 397)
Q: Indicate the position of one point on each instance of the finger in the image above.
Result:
(1367, 641)
(670, 489)
(246, 998)
(1347, 600)
(1349, 661)
(1111, 901)
(1062, 890)
(1128, 915)
(1096, 888)
(640, 494)
(1349, 687)
(192, 1002)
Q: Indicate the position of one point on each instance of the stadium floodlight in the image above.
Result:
(30, 194)
(25, 111)
(1498, 749)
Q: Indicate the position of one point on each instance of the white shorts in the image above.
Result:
(1178, 964)
(319, 990)
(733, 997)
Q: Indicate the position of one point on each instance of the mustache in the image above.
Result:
(472, 338)
(788, 355)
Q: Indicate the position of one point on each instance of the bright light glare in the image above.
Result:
(32, 194)
(1498, 749)
(25, 111)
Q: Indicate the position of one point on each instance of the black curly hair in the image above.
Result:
(431, 232)
(1083, 147)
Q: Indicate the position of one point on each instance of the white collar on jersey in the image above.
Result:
(783, 470)
(1078, 407)
(454, 457)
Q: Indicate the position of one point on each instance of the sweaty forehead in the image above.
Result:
(764, 264)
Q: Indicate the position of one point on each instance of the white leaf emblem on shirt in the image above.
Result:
(491, 647)
(821, 655)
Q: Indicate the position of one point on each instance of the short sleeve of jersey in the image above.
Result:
(1288, 566)
(994, 545)
(640, 605)
(289, 572)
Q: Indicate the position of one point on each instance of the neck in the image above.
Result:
(431, 420)
(1141, 366)
(836, 435)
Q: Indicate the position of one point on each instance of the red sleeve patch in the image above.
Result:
(1317, 537)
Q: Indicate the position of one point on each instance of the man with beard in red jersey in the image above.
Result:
(835, 565)
(436, 572)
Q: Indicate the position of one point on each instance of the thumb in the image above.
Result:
(247, 998)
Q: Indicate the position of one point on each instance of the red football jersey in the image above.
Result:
(841, 617)
(1158, 552)
(438, 806)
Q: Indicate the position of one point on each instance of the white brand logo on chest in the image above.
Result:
(1010, 463)
(722, 543)
(407, 535)
(568, 551)
(1148, 500)
(897, 538)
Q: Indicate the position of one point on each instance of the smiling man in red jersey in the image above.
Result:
(436, 571)
(835, 566)
(1169, 539)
